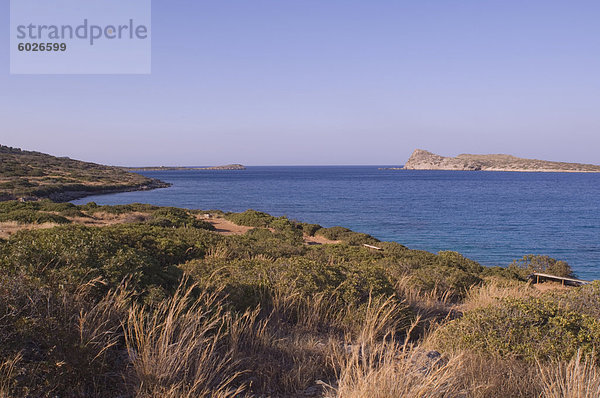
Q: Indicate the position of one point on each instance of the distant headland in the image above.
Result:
(28, 175)
(425, 160)
(166, 168)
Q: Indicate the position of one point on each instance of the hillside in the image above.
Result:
(34, 175)
(140, 301)
(424, 160)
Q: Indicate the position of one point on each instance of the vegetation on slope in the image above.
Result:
(25, 174)
(162, 305)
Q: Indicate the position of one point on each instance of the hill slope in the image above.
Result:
(34, 175)
(424, 160)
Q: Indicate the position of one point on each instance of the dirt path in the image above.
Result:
(226, 227)
(222, 226)
(318, 240)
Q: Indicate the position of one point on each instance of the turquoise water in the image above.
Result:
(491, 217)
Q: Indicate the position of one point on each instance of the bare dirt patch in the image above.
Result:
(104, 219)
(318, 240)
(226, 227)
(8, 228)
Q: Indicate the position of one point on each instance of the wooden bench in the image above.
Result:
(536, 277)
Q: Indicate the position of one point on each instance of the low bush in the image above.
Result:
(346, 235)
(146, 254)
(528, 328)
(544, 264)
(119, 209)
(173, 217)
(310, 229)
(250, 218)
(33, 217)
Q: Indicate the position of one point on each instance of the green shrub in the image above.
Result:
(172, 217)
(544, 264)
(33, 217)
(146, 254)
(527, 328)
(334, 233)
(346, 235)
(310, 229)
(47, 206)
(284, 224)
(584, 299)
(250, 218)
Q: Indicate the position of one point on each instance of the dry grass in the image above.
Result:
(175, 347)
(494, 291)
(8, 228)
(8, 370)
(578, 378)
(386, 370)
(426, 303)
(193, 345)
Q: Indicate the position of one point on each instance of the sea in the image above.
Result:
(491, 217)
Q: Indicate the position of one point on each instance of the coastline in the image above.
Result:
(67, 196)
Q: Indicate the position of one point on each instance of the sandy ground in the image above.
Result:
(8, 228)
(225, 227)
(319, 240)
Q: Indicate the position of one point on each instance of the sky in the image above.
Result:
(319, 82)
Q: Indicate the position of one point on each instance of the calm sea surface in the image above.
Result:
(491, 217)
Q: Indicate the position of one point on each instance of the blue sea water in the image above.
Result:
(491, 217)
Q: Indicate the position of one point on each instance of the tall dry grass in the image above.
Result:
(387, 371)
(176, 349)
(8, 370)
(193, 345)
(382, 364)
(493, 291)
(578, 378)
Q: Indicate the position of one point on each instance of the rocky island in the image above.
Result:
(166, 168)
(28, 175)
(425, 160)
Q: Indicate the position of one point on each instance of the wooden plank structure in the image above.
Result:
(372, 247)
(536, 277)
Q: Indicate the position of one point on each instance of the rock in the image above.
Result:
(427, 361)
(425, 160)
(312, 391)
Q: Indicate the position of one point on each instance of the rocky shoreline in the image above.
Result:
(72, 194)
(67, 196)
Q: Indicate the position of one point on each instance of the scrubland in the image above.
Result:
(157, 303)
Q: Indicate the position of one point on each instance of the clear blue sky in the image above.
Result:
(328, 82)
